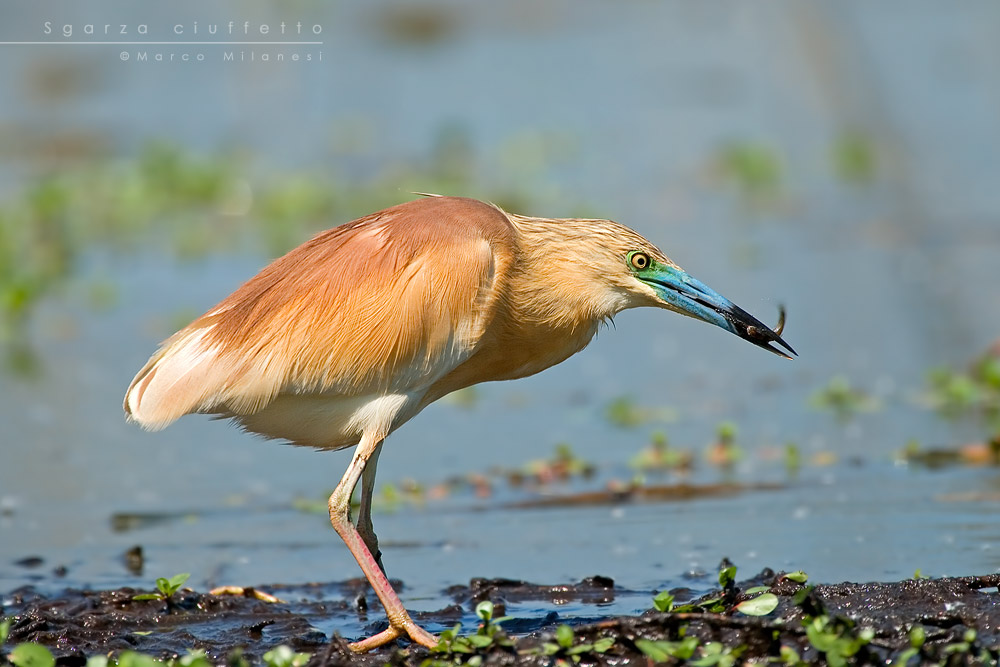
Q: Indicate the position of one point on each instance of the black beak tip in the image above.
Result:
(792, 353)
(765, 337)
(762, 336)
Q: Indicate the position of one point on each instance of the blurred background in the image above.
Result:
(837, 158)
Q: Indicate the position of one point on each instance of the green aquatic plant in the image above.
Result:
(284, 656)
(565, 645)
(31, 655)
(165, 588)
(793, 458)
(724, 451)
(199, 658)
(754, 168)
(854, 158)
(392, 497)
(662, 650)
(716, 653)
(194, 658)
(761, 604)
(798, 576)
(917, 637)
(837, 638)
(971, 393)
(727, 576)
(625, 412)
(967, 647)
(687, 648)
(489, 633)
(564, 464)
(843, 400)
(952, 393)
(974, 453)
(664, 601)
(659, 455)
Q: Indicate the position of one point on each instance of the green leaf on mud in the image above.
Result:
(801, 595)
(727, 576)
(715, 654)
(564, 636)
(603, 644)
(133, 659)
(170, 586)
(147, 596)
(178, 580)
(484, 610)
(661, 650)
(663, 601)
(480, 641)
(762, 605)
(31, 655)
(285, 656)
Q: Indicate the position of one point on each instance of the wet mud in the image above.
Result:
(952, 621)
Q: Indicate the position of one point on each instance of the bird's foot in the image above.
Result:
(406, 628)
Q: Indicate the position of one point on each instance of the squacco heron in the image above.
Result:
(344, 339)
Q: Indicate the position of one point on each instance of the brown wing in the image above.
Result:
(387, 303)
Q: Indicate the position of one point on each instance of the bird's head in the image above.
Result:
(652, 279)
(615, 267)
(598, 268)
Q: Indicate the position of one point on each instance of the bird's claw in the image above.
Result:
(408, 628)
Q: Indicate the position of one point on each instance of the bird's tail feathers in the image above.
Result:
(181, 378)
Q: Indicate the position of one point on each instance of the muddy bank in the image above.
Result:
(952, 621)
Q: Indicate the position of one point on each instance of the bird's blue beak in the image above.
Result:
(692, 297)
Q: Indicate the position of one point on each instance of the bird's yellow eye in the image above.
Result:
(639, 260)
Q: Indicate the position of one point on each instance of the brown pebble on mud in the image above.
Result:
(77, 623)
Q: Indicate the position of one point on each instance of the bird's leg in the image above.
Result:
(365, 527)
(400, 623)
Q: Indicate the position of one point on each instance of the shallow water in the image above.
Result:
(881, 281)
